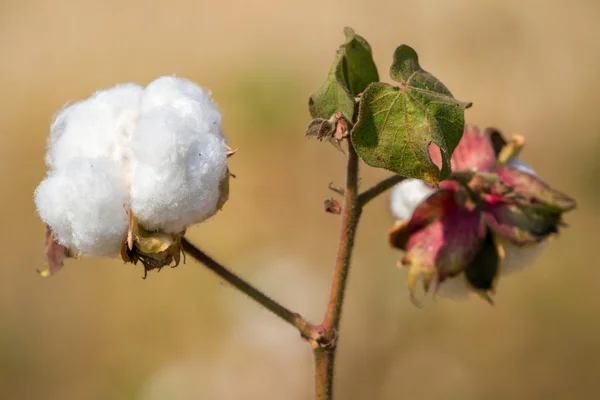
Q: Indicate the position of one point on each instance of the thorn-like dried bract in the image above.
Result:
(491, 217)
(154, 250)
(155, 156)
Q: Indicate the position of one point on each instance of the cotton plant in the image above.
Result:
(132, 167)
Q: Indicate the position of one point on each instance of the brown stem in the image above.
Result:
(325, 352)
(306, 329)
(378, 189)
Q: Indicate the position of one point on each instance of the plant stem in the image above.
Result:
(378, 189)
(325, 353)
(306, 329)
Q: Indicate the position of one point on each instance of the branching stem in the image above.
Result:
(306, 329)
(378, 189)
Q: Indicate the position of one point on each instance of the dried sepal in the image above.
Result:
(223, 190)
(535, 192)
(154, 250)
(332, 206)
(55, 254)
(483, 271)
(334, 130)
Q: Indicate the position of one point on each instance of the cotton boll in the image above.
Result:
(406, 196)
(85, 205)
(186, 100)
(100, 126)
(177, 173)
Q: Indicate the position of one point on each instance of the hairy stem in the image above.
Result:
(325, 352)
(306, 329)
(378, 189)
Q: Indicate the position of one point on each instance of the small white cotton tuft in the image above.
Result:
(85, 204)
(406, 196)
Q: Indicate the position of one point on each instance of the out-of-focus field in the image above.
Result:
(98, 331)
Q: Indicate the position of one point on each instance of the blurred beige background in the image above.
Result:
(98, 331)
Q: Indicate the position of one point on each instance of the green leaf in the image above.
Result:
(361, 67)
(333, 95)
(397, 124)
(352, 71)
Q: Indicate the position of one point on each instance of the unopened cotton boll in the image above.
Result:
(85, 204)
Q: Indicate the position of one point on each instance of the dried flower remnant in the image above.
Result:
(129, 169)
(332, 206)
(492, 215)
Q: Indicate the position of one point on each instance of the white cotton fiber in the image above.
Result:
(158, 150)
(186, 100)
(175, 180)
(100, 126)
(85, 204)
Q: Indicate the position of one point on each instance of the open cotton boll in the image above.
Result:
(85, 205)
(177, 171)
(100, 126)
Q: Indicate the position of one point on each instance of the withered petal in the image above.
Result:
(518, 224)
(442, 247)
(474, 151)
(531, 190)
(55, 254)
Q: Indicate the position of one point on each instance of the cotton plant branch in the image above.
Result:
(378, 189)
(305, 328)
